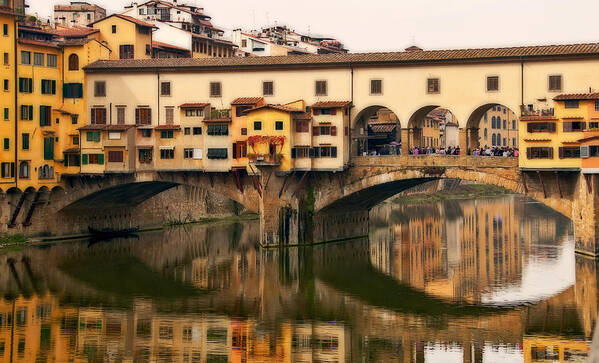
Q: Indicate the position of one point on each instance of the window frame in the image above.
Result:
(271, 84)
(549, 83)
(163, 89)
(212, 90)
(372, 86)
(494, 78)
(435, 83)
(319, 92)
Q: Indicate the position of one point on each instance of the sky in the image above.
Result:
(391, 25)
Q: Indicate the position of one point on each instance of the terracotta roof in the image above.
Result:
(306, 116)
(7, 11)
(194, 105)
(118, 127)
(156, 44)
(75, 32)
(221, 120)
(78, 7)
(538, 140)
(591, 138)
(34, 29)
(276, 107)
(72, 150)
(246, 101)
(331, 104)
(382, 128)
(538, 118)
(128, 18)
(577, 96)
(38, 43)
(167, 127)
(92, 127)
(515, 54)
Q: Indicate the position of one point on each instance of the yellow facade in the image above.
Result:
(119, 31)
(7, 96)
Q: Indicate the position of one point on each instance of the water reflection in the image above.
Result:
(491, 280)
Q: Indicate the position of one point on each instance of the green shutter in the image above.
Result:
(84, 159)
(49, 148)
(42, 116)
(30, 88)
(6, 113)
(21, 84)
(66, 91)
(97, 136)
(78, 91)
(53, 87)
(101, 159)
(30, 113)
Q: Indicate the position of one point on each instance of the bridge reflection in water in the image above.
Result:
(468, 281)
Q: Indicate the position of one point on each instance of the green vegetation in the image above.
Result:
(465, 191)
(12, 241)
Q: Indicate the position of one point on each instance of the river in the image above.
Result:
(485, 280)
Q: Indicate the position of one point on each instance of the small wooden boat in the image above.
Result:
(112, 233)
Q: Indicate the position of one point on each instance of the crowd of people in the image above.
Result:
(486, 151)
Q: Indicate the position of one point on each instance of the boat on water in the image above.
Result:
(112, 233)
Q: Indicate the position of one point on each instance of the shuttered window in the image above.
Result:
(72, 90)
(576, 126)
(143, 116)
(493, 83)
(215, 89)
(126, 51)
(73, 62)
(120, 115)
(165, 88)
(541, 127)
(48, 87)
(220, 153)
(539, 153)
(99, 89)
(432, 85)
(555, 83)
(98, 116)
(93, 136)
(49, 148)
(25, 141)
(302, 126)
(376, 87)
(45, 115)
(26, 112)
(218, 130)
(170, 115)
(115, 156)
(569, 152)
(25, 85)
(321, 88)
(268, 88)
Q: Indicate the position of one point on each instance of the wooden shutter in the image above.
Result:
(316, 130)
(234, 150)
(53, 87)
(561, 152)
(93, 118)
(293, 153)
(333, 130)
(333, 111)
(101, 159)
(316, 111)
(136, 116)
(84, 159)
(334, 151)
(552, 127)
(48, 148)
(528, 153)
(550, 152)
(567, 127)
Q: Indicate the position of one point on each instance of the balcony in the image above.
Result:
(265, 159)
(530, 111)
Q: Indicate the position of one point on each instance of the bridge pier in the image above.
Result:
(585, 215)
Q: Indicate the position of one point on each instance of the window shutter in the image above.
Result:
(316, 111)
(78, 92)
(84, 159)
(316, 152)
(561, 152)
(311, 152)
(30, 88)
(528, 153)
(101, 159)
(316, 130)
(584, 151)
(66, 91)
(30, 113)
(93, 118)
(149, 119)
(234, 151)
(53, 87)
(20, 84)
(333, 130)
(550, 153)
(552, 127)
(567, 126)
(293, 153)
(334, 151)
(333, 111)
(42, 116)
(583, 126)
(529, 128)
(136, 116)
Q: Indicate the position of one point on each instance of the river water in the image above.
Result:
(486, 280)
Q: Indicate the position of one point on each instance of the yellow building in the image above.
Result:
(127, 37)
(499, 127)
(8, 95)
(551, 142)
(239, 129)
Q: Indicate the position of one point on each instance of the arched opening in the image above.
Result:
(377, 131)
(432, 129)
(73, 62)
(492, 129)
(24, 170)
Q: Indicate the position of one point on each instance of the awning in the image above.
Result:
(167, 148)
(145, 147)
(194, 105)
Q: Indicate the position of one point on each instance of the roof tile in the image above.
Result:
(246, 101)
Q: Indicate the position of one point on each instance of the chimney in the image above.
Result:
(413, 48)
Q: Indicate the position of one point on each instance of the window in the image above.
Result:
(143, 116)
(376, 87)
(126, 51)
(6, 85)
(142, 11)
(8, 170)
(49, 148)
(300, 152)
(114, 136)
(25, 57)
(5, 29)
(555, 83)
(48, 87)
(72, 90)
(218, 130)
(71, 160)
(576, 126)
(541, 127)
(197, 130)
(321, 88)
(6, 143)
(504, 124)
(165, 88)
(74, 119)
(597, 105)
(432, 85)
(485, 132)
(6, 59)
(24, 170)
(215, 89)
(92, 159)
(302, 126)
(493, 83)
(257, 125)
(99, 89)
(114, 29)
(146, 133)
(145, 156)
(194, 112)
(170, 115)
(244, 43)
(98, 116)
(239, 149)
(167, 153)
(279, 125)
(120, 115)
(148, 48)
(75, 140)
(188, 153)
(26, 113)
(569, 152)
(219, 153)
(25, 85)
(93, 136)
(115, 156)
(513, 124)
(38, 59)
(571, 104)
(244, 131)
(6, 113)
(187, 131)
(45, 115)
(268, 88)
(328, 151)
(167, 134)
(539, 153)
(494, 140)
(324, 130)
(73, 62)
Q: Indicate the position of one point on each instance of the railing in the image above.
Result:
(265, 159)
(415, 161)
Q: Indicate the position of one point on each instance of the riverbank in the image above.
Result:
(464, 191)
(16, 242)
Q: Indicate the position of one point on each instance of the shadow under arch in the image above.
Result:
(480, 132)
(376, 128)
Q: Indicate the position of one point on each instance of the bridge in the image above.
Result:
(307, 207)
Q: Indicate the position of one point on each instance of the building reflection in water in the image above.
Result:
(209, 294)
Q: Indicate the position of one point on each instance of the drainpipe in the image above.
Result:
(521, 83)
(16, 81)
(110, 113)
(158, 96)
(351, 105)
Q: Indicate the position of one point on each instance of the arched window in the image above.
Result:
(493, 139)
(24, 170)
(73, 62)
(485, 134)
(493, 122)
